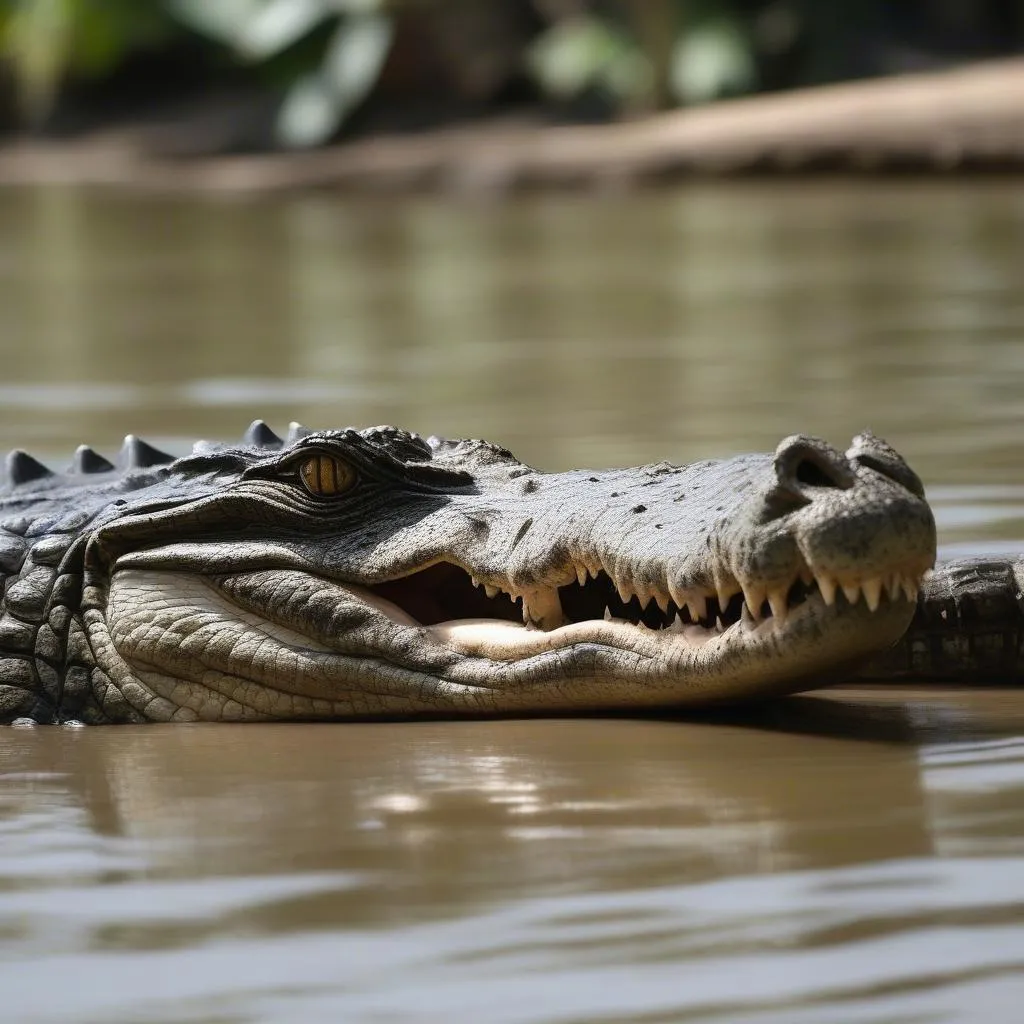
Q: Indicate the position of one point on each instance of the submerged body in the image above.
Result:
(351, 573)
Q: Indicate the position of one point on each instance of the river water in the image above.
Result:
(845, 856)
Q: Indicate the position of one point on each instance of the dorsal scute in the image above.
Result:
(87, 460)
(22, 468)
(138, 454)
(259, 435)
(296, 432)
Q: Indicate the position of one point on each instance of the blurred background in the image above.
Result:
(300, 72)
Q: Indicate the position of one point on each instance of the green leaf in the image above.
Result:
(581, 52)
(318, 104)
(279, 24)
(225, 20)
(37, 40)
(711, 60)
(356, 54)
(310, 114)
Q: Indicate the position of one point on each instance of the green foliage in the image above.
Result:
(714, 58)
(44, 40)
(319, 100)
(587, 52)
(327, 56)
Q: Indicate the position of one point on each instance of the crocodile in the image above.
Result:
(346, 574)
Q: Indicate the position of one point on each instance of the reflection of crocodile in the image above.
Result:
(347, 574)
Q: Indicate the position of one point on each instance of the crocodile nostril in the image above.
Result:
(805, 466)
(813, 474)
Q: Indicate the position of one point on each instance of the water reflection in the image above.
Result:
(280, 866)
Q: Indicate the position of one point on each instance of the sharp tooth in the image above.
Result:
(643, 595)
(910, 590)
(753, 595)
(697, 604)
(872, 592)
(806, 576)
(827, 586)
(475, 581)
(852, 592)
(607, 615)
(746, 618)
(663, 601)
(624, 590)
(779, 606)
(581, 574)
(490, 591)
(725, 587)
(719, 624)
(892, 585)
(542, 608)
(679, 594)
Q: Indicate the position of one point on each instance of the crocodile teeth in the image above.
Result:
(582, 575)
(851, 591)
(753, 596)
(806, 576)
(624, 590)
(892, 585)
(607, 615)
(827, 586)
(910, 589)
(663, 601)
(490, 591)
(542, 608)
(725, 587)
(777, 603)
(697, 605)
(872, 592)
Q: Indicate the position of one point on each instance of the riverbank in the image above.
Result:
(969, 118)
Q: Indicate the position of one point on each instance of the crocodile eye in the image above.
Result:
(326, 475)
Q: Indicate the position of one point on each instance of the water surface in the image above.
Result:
(838, 857)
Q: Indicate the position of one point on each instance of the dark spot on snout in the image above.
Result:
(523, 530)
(479, 527)
(529, 486)
(639, 508)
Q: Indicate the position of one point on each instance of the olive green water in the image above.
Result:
(850, 857)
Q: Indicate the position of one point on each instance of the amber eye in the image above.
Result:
(325, 475)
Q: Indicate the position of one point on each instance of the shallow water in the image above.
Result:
(842, 857)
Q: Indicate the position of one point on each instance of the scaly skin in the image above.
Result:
(349, 574)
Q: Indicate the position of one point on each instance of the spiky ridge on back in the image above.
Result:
(140, 465)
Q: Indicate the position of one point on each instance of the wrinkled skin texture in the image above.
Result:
(371, 573)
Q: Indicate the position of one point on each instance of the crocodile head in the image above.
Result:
(377, 573)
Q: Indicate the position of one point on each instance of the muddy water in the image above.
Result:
(839, 857)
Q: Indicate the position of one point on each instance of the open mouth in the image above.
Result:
(444, 595)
